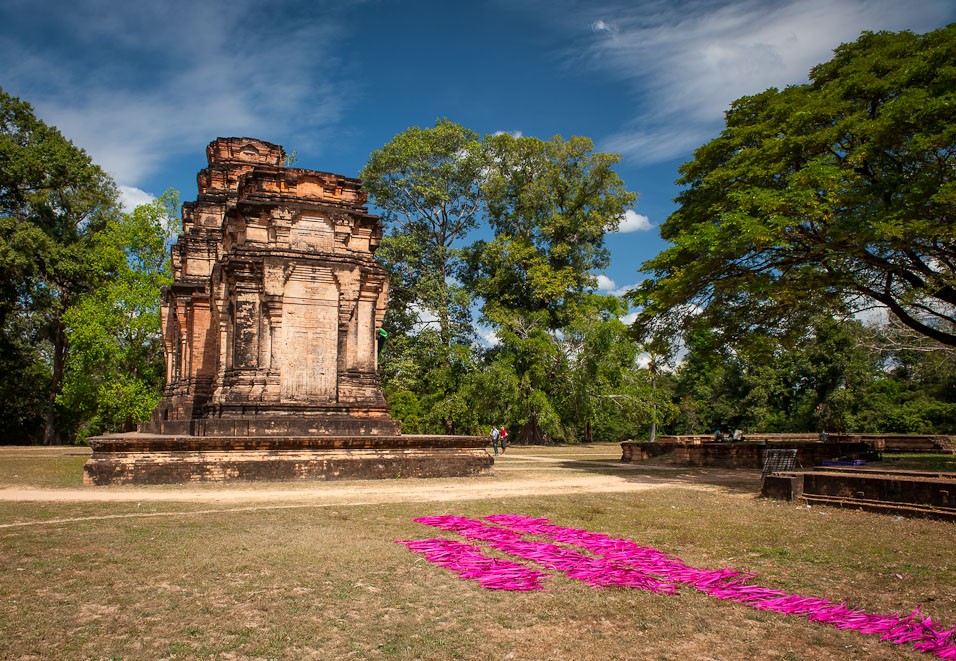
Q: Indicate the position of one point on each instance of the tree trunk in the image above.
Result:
(587, 432)
(653, 403)
(531, 434)
(51, 432)
(444, 315)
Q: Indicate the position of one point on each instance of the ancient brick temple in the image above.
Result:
(270, 325)
(270, 332)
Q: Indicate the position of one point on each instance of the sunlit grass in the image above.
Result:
(207, 579)
(927, 461)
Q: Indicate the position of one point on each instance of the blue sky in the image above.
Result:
(144, 87)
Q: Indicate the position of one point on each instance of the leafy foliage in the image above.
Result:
(828, 377)
(549, 205)
(115, 366)
(427, 183)
(53, 202)
(821, 196)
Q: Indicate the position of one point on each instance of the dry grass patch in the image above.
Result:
(328, 581)
(58, 466)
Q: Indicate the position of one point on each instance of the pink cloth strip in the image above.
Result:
(469, 561)
(916, 629)
(589, 569)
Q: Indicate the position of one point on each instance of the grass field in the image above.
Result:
(301, 571)
(927, 461)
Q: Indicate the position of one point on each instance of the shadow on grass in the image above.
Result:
(655, 471)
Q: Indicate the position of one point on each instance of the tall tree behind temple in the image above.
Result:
(53, 200)
(427, 184)
(115, 364)
(550, 204)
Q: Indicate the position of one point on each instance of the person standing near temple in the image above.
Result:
(495, 437)
(504, 439)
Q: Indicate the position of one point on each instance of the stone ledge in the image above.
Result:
(908, 493)
(138, 458)
(743, 454)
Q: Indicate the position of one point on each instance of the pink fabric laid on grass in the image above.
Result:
(469, 561)
(916, 629)
(603, 561)
(583, 567)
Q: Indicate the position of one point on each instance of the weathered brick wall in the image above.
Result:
(741, 455)
(276, 299)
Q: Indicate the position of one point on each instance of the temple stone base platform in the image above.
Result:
(138, 458)
(908, 493)
(747, 454)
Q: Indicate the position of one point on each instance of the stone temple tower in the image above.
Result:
(270, 324)
(270, 334)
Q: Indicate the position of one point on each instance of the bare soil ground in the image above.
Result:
(553, 476)
(522, 472)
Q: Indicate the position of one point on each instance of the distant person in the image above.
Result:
(504, 439)
(824, 437)
(738, 435)
(718, 436)
(495, 438)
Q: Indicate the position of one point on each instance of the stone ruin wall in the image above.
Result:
(270, 324)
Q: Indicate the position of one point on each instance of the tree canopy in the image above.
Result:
(115, 366)
(53, 201)
(79, 289)
(427, 183)
(832, 195)
(542, 208)
(549, 204)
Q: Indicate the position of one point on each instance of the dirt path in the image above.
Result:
(344, 495)
(349, 492)
(517, 475)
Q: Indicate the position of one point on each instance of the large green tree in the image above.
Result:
(427, 184)
(53, 201)
(829, 195)
(549, 204)
(115, 366)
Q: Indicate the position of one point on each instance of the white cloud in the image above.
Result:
(604, 283)
(687, 62)
(655, 142)
(513, 134)
(608, 286)
(487, 336)
(132, 197)
(623, 289)
(601, 26)
(215, 69)
(629, 318)
(634, 222)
